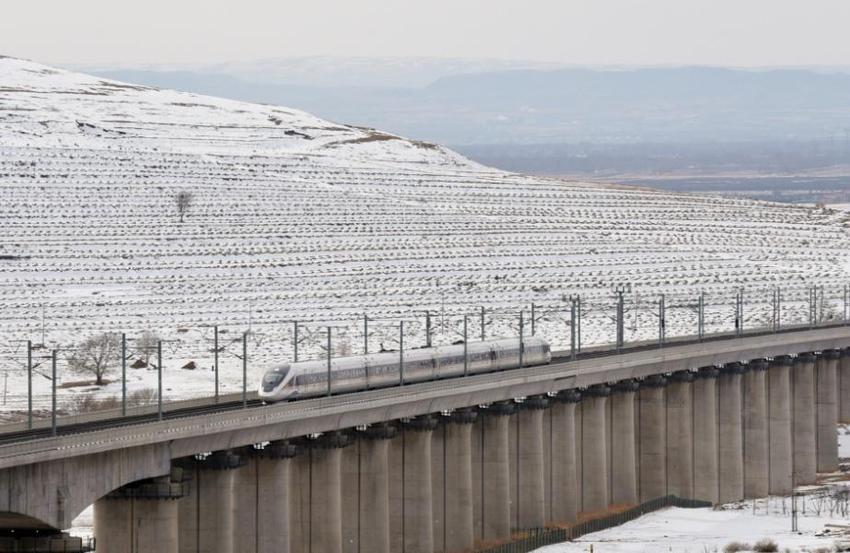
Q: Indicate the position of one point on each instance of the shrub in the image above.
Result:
(766, 545)
(735, 546)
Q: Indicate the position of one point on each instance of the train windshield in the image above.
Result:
(273, 378)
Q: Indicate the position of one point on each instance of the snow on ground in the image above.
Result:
(297, 218)
(705, 530)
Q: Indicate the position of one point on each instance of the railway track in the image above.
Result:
(231, 405)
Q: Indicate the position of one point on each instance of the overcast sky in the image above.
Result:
(595, 32)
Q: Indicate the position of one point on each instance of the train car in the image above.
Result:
(378, 370)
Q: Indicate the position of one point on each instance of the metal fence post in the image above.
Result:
(701, 316)
(427, 329)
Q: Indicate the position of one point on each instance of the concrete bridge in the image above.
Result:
(442, 466)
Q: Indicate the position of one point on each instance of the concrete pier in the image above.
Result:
(844, 386)
(564, 466)
(680, 436)
(139, 518)
(594, 441)
(756, 458)
(459, 535)
(326, 493)
(730, 439)
(826, 378)
(705, 433)
(206, 513)
(652, 442)
(531, 509)
(373, 504)
(417, 513)
(779, 429)
(496, 478)
(623, 454)
(803, 419)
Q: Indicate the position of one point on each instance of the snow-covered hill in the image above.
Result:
(297, 218)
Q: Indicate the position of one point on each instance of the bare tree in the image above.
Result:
(146, 345)
(96, 355)
(183, 200)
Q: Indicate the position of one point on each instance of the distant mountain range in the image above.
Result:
(534, 105)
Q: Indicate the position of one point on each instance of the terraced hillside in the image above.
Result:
(296, 218)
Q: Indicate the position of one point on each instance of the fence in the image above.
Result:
(549, 536)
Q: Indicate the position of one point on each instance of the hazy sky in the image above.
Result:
(642, 32)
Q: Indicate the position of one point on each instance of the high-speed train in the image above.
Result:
(377, 370)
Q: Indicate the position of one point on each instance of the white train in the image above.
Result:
(377, 370)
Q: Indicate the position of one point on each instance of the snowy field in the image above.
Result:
(299, 219)
(706, 530)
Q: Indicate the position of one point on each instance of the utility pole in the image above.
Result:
(465, 347)
(29, 384)
(295, 342)
(123, 374)
(573, 351)
(365, 334)
(662, 321)
(401, 353)
(521, 348)
(739, 311)
(53, 393)
(330, 360)
(621, 290)
(245, 369)
(701, 316)
(215, 360)
(483, 332)
(159, 379)
(533, 320)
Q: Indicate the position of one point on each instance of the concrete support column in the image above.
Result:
(374, 489)
(803, 419)
(826, 378)
(418, 518)
(680, 435)
(594, 454)
(207, 512)
(496, 478)
(326, 493)
(139, 518)
(564, 466)
(459, 533)
(730, 442)
(623, 454)
(844, 386)
(756, 458)
(652, 443)
(531, 506)
(705, 434)
(779, 429)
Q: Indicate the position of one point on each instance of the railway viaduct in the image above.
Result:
(442, 466)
